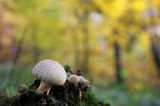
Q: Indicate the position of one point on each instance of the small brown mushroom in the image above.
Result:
(84, 82)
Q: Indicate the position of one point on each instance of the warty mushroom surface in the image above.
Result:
(50, 73)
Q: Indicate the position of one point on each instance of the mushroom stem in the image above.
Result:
(44, 86)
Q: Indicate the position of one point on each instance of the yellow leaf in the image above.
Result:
(138, 5)
(113, 9)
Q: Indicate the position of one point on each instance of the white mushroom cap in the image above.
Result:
(81, 79)
(74, 79)
(50, 71)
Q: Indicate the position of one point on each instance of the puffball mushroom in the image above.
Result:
(50, 73)
(84, 82)
(81, 79)
(74, 79)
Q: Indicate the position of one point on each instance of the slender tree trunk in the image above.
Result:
(155, 47)
(18, 51)
(155, 42)
(118, 58)
(118, 62)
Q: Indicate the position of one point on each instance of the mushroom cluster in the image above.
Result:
(75, 79)
(50, 73)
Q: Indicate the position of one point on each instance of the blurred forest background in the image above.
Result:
(116, 43)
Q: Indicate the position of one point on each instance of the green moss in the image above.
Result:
(5, 101)
(88, 98)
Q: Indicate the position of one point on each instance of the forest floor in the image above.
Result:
(67, 95)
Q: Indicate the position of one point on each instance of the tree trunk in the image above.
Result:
(155, 39)
(118, 63)
(155, 47)
(18, 51)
